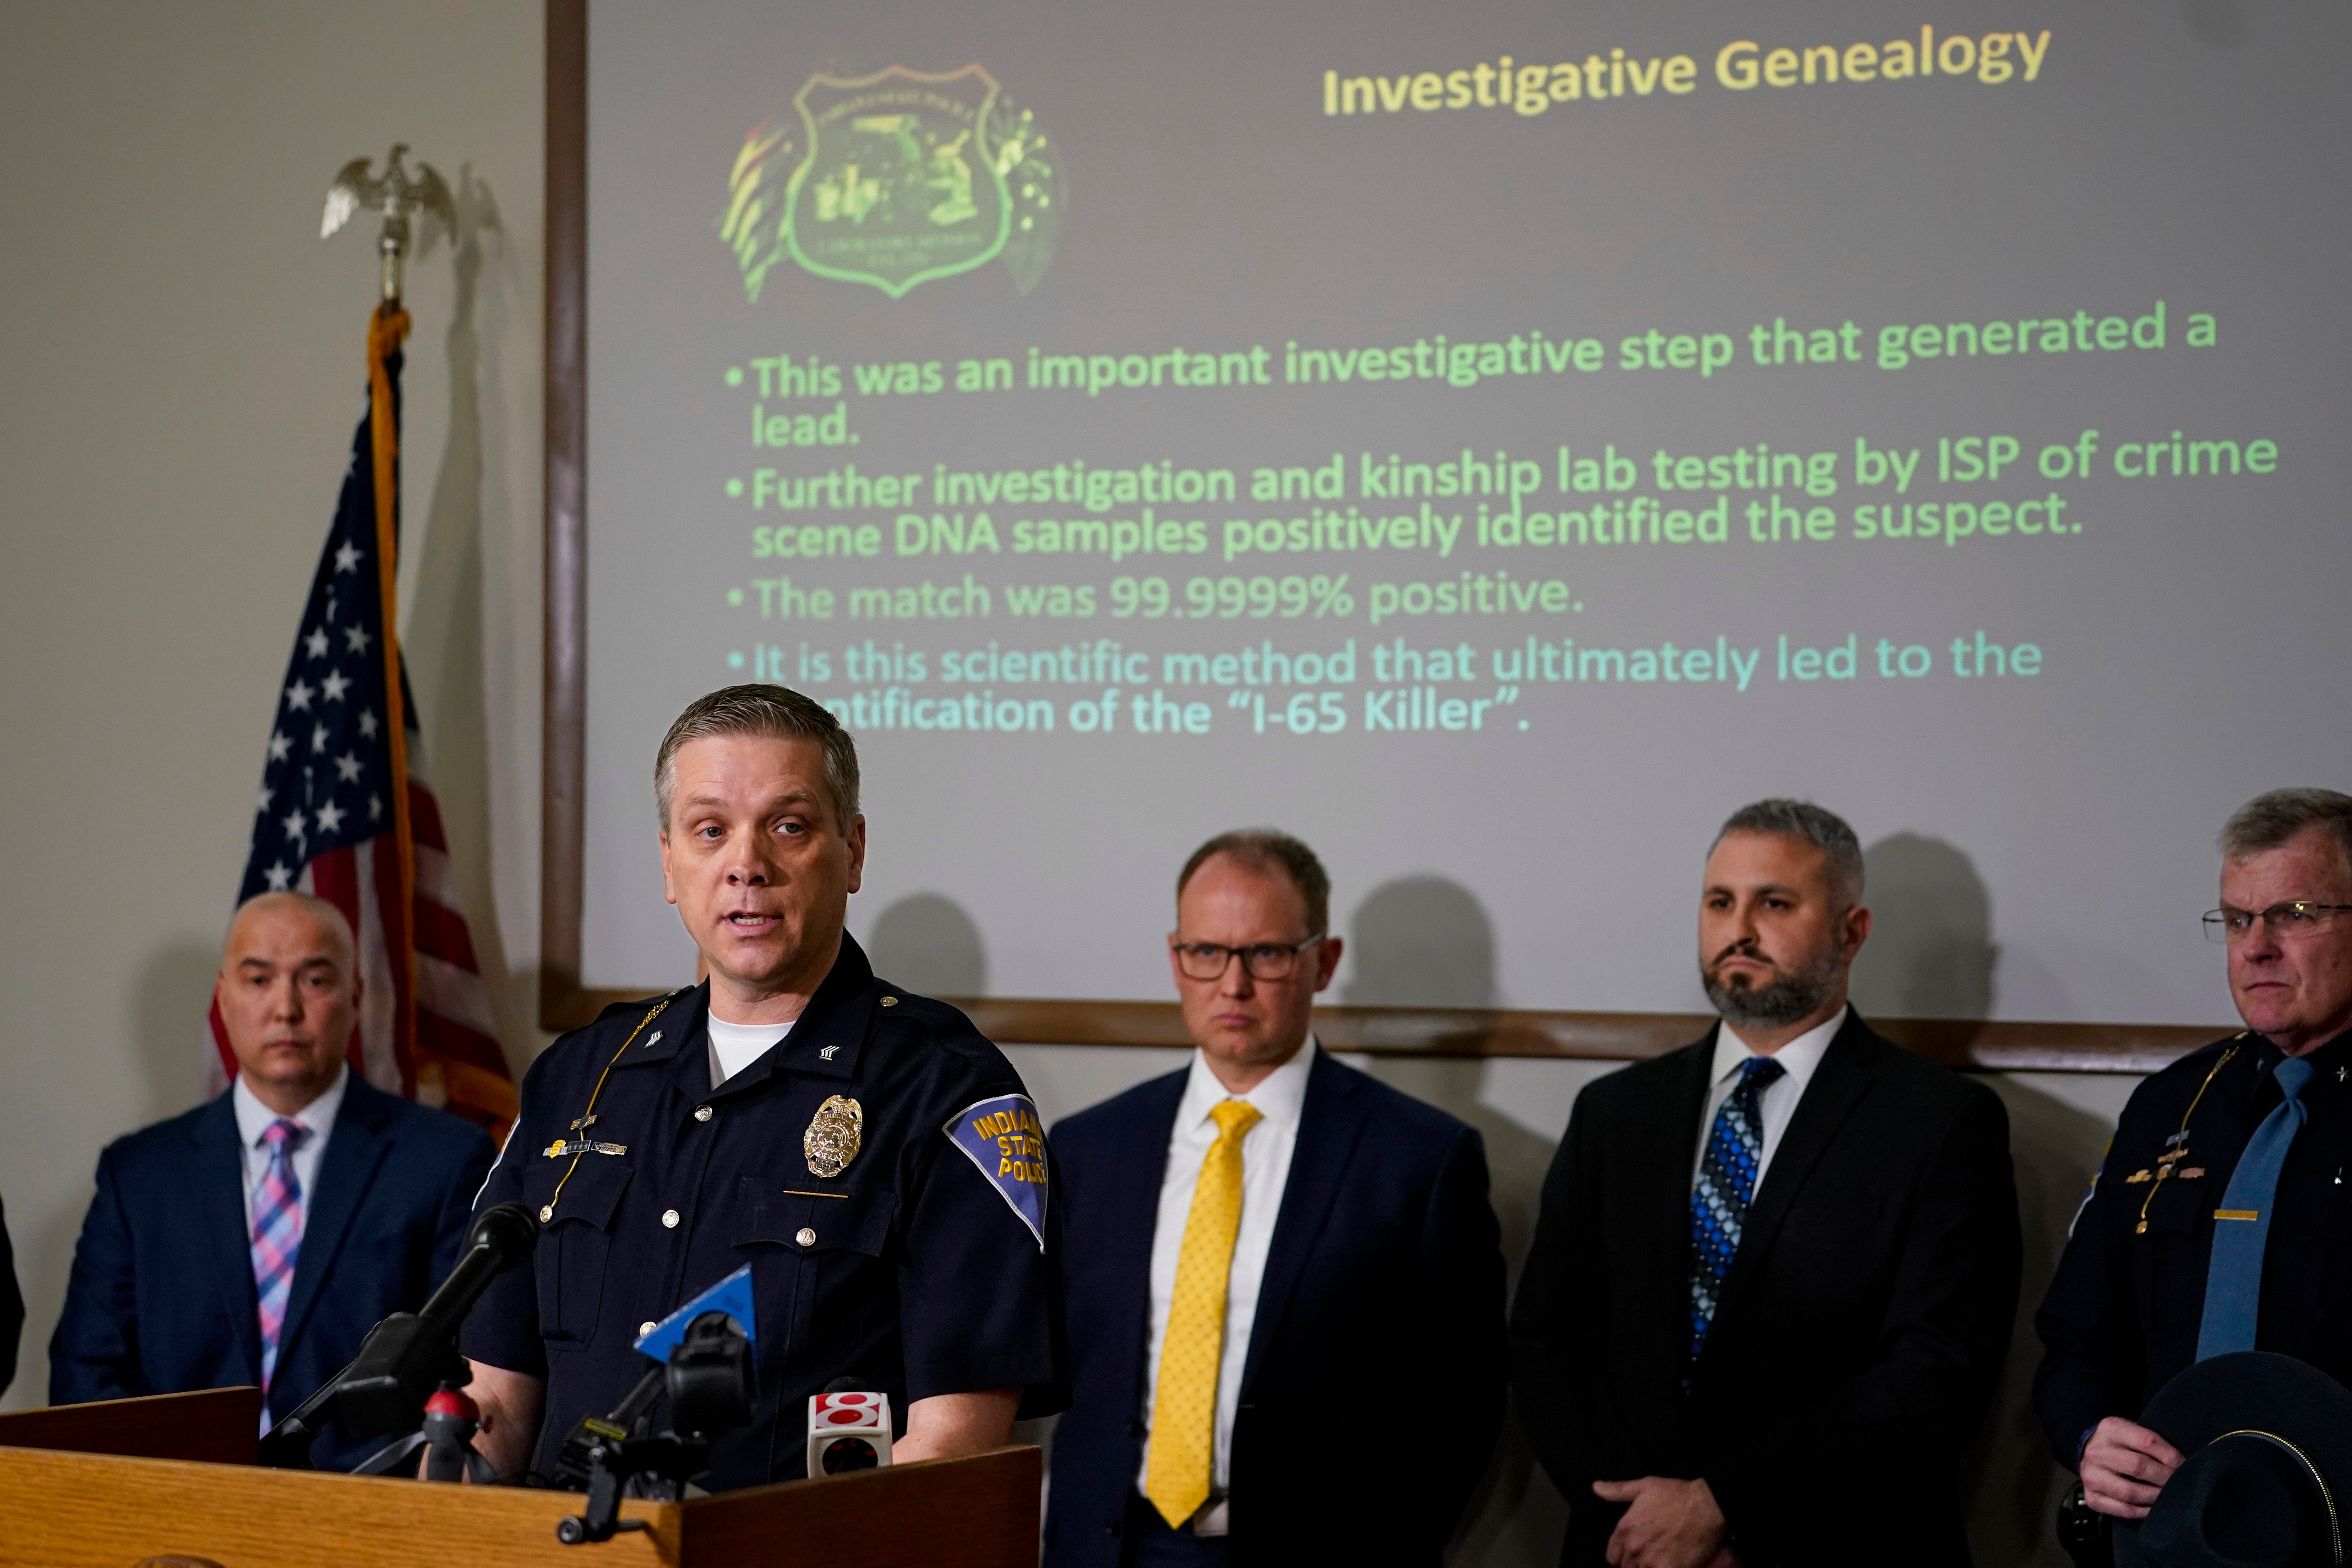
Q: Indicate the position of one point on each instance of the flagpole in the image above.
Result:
(393, 194)
(387, 327)
(443, 1048)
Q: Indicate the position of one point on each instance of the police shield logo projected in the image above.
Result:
(900, 184)
(896, 178)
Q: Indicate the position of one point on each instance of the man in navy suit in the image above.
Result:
(1284, 1279)
(255, 1239)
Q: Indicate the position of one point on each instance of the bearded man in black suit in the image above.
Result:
(1776, 1272)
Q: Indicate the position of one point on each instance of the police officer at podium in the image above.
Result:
(2220, 1219)
(874, 1161)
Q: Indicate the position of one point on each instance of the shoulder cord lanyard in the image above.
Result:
(2179, 1141)
(589, 1114)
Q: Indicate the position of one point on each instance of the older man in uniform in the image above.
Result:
(793, 1113)
(2219, 1220)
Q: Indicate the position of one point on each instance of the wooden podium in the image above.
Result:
(171, 1482)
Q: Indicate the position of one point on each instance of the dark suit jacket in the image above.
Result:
(12, 1307)
(161, 1298)
(1374, 1383)
(1859, 1335)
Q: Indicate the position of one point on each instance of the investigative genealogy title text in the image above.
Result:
(1740, 65)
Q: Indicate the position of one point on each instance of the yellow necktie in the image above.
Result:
(1183, 1462)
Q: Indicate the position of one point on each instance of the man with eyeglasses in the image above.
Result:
(2220, 1220)
(1284, 1280)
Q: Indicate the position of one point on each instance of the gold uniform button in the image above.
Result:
(670, 1219)
(806, 1237)
(702, 1113)
(546, 1212)
(644, 1328)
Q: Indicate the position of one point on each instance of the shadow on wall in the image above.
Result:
(2010, 1481)
(443, 639)
(1930, 953)
(167, 1024)
(1426, 942)
(2221, 22)
(174, 991)
(926, 943)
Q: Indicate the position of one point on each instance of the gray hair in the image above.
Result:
(2270, 821)
(1818, 826)
(773, 713)
(1271, 849)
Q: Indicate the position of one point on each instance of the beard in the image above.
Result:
(1790, 996)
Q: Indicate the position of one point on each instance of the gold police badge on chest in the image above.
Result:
(832, 1140)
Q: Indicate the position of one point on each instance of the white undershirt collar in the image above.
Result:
(734, 1047)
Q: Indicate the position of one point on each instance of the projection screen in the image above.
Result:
(1491, 440)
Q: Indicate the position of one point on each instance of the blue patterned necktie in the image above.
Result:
(2233, 1274)
(1726, 1181)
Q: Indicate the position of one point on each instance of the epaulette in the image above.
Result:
(2241, 1037)
(624, 1013)
(637, 1005)
(943, 1022)
(2201, 1060)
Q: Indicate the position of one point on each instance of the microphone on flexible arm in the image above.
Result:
(408, 1355)
(500, 1239)
(702, 1356)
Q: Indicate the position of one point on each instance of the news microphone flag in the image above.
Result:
(344, 810)
(731, 1296)
(848, 1431)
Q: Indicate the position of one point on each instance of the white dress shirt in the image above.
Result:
(254, 1118)
(1265, 1170)
(1799, 1060)
(734, 1047)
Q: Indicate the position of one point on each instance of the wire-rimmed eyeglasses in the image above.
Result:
(2297, 917)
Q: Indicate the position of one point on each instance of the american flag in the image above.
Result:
(329, 819)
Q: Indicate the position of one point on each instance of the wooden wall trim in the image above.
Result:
(1971, 1045)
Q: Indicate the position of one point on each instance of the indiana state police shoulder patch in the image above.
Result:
(1004, 1138)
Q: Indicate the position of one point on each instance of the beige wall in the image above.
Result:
(180, 371)
(181, 367)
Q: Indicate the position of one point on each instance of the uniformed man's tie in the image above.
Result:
(2241, 1225)
(277, 1235)
(1726, 1181)
(1182, 1467)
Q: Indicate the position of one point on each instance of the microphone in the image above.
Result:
(404, 1358)
(848, 1428)
(408, 1355)
(502, 1239)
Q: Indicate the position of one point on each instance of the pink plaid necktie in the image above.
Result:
(277, 1235)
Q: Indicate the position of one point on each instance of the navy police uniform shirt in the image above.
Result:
(922, 1264)
(2122, 1313)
